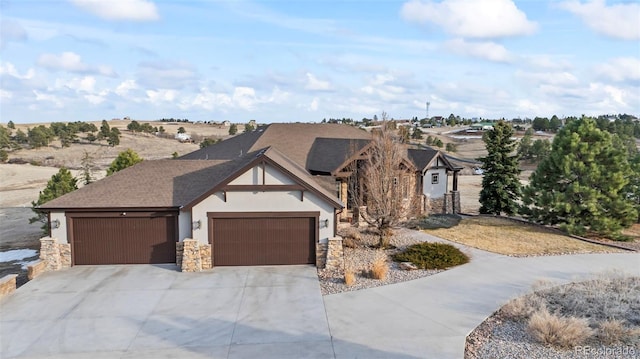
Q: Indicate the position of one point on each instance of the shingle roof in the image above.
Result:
(175, 183)
(294, 140)
(150, 184)
(423, 157)
(328, 154)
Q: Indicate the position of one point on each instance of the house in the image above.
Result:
(183, 137)
(267, 197)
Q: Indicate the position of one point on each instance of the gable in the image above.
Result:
(328, 155)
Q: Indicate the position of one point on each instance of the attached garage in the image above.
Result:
(263, 238)
(123, 237)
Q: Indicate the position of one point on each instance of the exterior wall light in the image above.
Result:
(325, 223)
(196, 224)
(55, 224)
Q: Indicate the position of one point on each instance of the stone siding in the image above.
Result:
(65, 255)
(7, 284)
(205, 256)
(50, 254)
(321, 255)
(335, 254)
(35, 269)
(179, 250)
(456, 202)
(191, 258)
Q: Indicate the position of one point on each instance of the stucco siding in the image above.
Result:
(263, 202)
(60, 233)
(255, 176)
(184, 225)
(435, 190)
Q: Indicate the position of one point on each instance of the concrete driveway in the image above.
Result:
(156, 312)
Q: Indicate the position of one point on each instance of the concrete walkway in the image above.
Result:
(145, 311)
(431, 317)
(269, 312)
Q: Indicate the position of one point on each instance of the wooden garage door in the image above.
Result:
(263, 241)
(124, 240)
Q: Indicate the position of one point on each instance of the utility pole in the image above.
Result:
(428, 103)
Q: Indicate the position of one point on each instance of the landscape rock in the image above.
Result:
(408, 266)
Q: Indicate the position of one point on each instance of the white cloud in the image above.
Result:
(84, 84)
(128, 10)
(481, 49)
(244, 97)
(617, 20)
(315, 84)
(313, 106)
(72, 62)
(471, 18)
(622, 69)
(8, 68)
(126, 86)
(161, 95)
(49, 98)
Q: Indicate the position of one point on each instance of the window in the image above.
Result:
(405, 187)
(435, 178)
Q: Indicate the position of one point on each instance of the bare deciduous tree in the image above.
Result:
(382, 184)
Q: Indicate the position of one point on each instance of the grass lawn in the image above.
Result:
(501, 235)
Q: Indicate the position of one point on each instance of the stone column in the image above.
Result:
(344, 196)
(321, 255)
(191, 259)
(456, 201)
(179, 250)
(335, 254)
(205, 256)
(65, 255)
(50, 253)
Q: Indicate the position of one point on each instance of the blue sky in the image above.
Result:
(296, 60)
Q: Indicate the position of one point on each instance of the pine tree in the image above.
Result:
(500, 185)
(60, 183)
(233, 129)
(125, 159)
(580, 185)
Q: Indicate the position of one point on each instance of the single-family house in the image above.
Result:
(266, 197)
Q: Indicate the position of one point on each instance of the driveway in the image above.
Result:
(270, 312)
(146, 311)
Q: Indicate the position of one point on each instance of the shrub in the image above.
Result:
(349, 243)
(522, 307)
(349, 277)
(614, 331)
(562, 332)
(432, 256)
(379, 267)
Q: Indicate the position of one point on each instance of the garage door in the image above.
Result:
(263, 240)
(135, 239)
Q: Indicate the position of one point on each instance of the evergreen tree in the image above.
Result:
(500, 184)
(233, 129)
(105, 130)
(580, 185)
(526, 142)
(125, 159)
(113, 139)
(11, 125)
(60, 183)
(87, 166)
(248, 128)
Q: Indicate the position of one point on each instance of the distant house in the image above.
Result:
(482, 126)
(226, 123)
(183, 137)
(266, 197)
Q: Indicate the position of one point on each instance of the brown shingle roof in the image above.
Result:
(294, 140)
(176, 183)
(151, 184)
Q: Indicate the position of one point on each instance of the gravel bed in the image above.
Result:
(361, 258)
(509, 339)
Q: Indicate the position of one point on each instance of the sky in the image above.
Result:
(304, 60)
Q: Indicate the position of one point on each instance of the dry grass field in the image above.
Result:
(504, 236)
